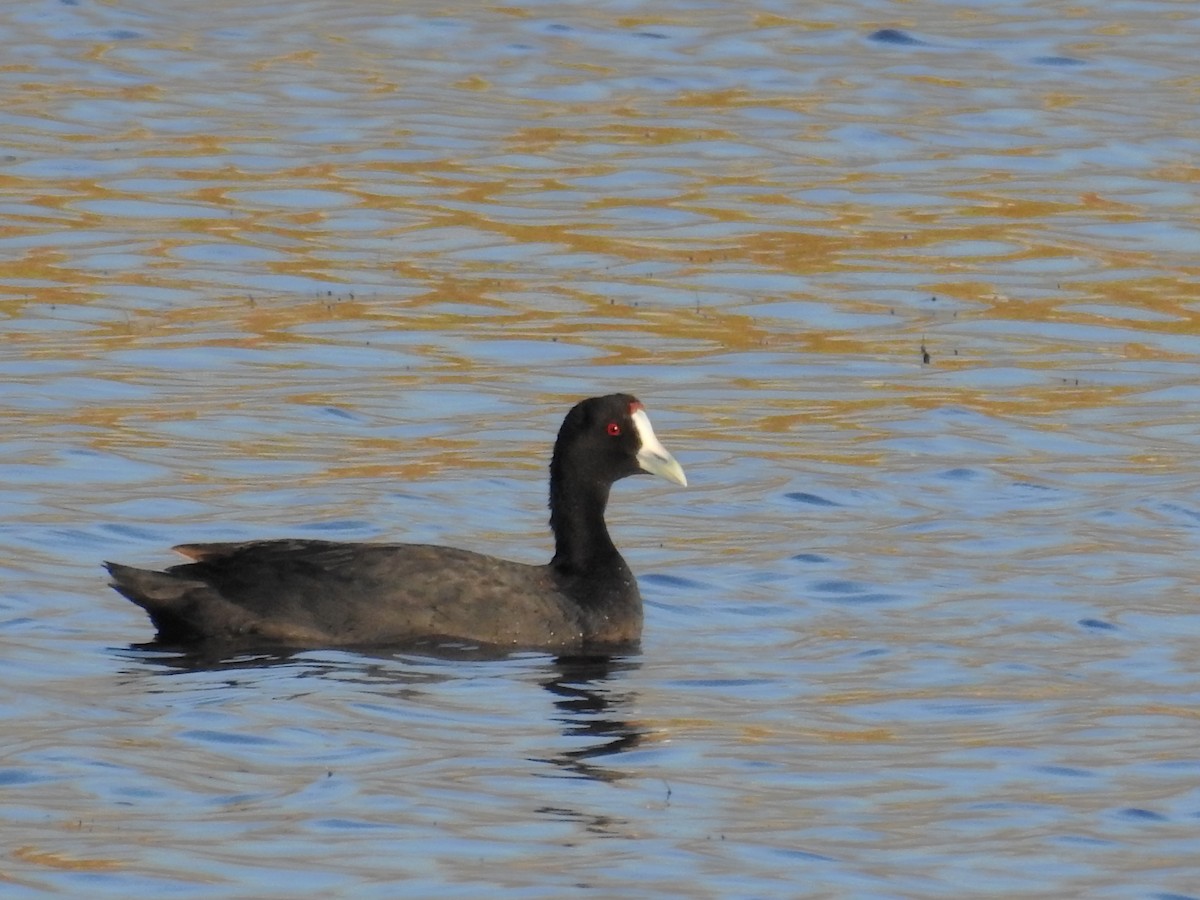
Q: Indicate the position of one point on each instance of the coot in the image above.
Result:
(306, 593)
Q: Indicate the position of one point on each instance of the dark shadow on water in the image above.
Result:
(590, 707)
(373, 660)
(591, 711)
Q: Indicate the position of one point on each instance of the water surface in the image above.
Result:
(911, 290)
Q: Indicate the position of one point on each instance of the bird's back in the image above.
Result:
(303, 592)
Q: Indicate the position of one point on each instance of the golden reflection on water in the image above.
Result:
(267, 266)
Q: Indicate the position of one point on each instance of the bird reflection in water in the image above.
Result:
(588, 703)
(590, 708)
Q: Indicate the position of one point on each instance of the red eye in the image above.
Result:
(614, 429)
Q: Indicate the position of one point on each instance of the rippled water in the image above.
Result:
(910, 289)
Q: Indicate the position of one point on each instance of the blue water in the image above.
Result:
(916, 310)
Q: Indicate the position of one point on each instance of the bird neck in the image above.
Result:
(581, 541)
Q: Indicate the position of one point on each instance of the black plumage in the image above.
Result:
(308, 593)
